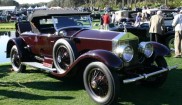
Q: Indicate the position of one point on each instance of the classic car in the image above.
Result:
(142, 31)
(125, 16)
(63, 43)
(2, 19)
(167, 13)
(97, 14)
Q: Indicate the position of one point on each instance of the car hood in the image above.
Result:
(105, 35)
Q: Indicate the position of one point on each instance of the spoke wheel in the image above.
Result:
(101, 84)
(16, 60)
(63, 55)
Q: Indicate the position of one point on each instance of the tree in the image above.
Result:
(8, 3)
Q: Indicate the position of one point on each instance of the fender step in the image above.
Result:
(39, 65)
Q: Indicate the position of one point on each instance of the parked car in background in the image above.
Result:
(178, 8)
(142, 31)
(125, 16)
(2, 19)
(97, 14)
(13, 18)
(167, 13)
(63, 43)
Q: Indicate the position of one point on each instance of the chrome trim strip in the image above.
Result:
(118, 36)
(145, 76)
(116, 39)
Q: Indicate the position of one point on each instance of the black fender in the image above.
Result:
(108, 58)
(160, 49)
(20, 44)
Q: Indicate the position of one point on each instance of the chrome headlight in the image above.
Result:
(146, 48)
(125, 52)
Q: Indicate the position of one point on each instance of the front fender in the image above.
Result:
(160, 49)
(109, 59)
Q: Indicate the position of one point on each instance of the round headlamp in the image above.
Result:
(146, 48)
(125, 52)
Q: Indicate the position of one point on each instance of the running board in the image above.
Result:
(145, 76)
(39, 65)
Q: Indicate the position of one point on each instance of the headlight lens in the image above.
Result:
(146, 48)
(125, 52)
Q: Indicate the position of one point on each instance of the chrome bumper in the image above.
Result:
(145, 76)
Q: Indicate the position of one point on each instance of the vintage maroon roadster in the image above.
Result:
(63, 43)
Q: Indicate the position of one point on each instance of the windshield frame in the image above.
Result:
(56, 21)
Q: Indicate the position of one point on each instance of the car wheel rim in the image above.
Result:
(98, 82)
(63, 58)
(15, 59)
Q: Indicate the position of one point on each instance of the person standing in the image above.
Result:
(113, 17)
(156, 25)
(101, 21)
(177, 24)
(138, 19)
(106, 20)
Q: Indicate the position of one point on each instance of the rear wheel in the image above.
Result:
(16, 60)
(101, 84)
(158, 80)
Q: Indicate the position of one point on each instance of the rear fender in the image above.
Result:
(109, 59)
(20, 44)
(160, 49)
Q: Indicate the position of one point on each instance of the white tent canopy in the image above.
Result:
(8, 8)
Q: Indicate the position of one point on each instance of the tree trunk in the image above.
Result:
(115, 2)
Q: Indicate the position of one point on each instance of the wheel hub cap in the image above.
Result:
(59, 59)
(94, 84)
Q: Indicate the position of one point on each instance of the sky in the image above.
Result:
(31, 1)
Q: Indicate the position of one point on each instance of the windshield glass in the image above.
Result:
(70, 21)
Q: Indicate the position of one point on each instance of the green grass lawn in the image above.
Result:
(7, 26)
(36, 87)
(96, 24)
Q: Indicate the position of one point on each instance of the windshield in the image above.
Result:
(71, 21)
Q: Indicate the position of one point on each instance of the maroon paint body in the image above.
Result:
(42, 45)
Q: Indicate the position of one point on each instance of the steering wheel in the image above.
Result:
(79, 24)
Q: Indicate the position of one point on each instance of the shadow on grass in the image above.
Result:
(64, 84)
(28, 96)
(4, 70)
(169, 94)
(42, 85)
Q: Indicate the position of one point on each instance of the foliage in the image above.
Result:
(175, 3)
(98, 3)
(8, 3)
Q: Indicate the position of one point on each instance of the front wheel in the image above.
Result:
(101, 84)
(16, 60)
(158, 80)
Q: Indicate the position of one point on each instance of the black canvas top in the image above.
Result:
(57, 12)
